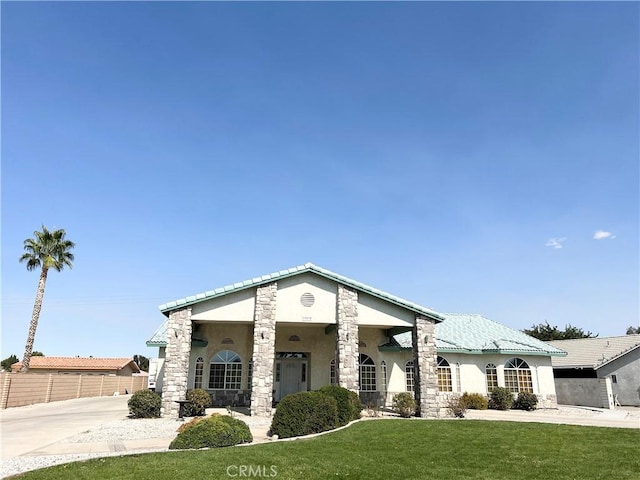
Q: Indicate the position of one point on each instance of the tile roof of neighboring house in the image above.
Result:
(594, 352)
(79, 363)
(475, 334)
(307, 267)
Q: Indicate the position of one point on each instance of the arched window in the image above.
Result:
(367, 373)
(383, 376)
(491, 372)
(408, 375)
(444, 375)
(332, 372)
(197, 383)
(517, 376)
(225, 372)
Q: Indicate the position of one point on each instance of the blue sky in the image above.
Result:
(462, 156)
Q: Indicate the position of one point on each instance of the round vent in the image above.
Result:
(307, 299)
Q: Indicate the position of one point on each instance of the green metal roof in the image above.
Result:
(159, 337)
(475, 334)
(306, 268)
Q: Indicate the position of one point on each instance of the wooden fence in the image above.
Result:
(17, 389)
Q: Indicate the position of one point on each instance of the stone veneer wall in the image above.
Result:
(425, 364)
(264, 346)
(176, 364)
(347, 338)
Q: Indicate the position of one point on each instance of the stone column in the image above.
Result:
(347, 361)
(425, 365)
(176, 364)
(264, 350)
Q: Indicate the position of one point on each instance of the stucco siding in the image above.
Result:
(290, 308)
(235, 307)
(627, 375)
(374, 311)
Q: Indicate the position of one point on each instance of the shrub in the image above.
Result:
(211, 432)
(145, 404)
(404, 404)
(241, 429)
(199, 400)
(500, 399)
(349, 405)
(457, 406)
(526, 401)
(475, 401)
(303, 413)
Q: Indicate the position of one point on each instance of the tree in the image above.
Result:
(142, 362)
(546, 332)
(47, 250)
(633, 330)
(35, 353)
(7, 362)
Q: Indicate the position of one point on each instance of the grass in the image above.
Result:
(390, 449)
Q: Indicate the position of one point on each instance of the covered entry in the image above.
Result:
(290, 374)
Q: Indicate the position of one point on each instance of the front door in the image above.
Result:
(291, 377)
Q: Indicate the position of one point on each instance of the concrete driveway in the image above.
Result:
(29, 428)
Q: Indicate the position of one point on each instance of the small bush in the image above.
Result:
(457, 407)
(404, 404)
(475, 401)
(304, 413)
(500, 399)
(526, 401)
(212, 432)
(145, 404)
(199, 400)
(349, 405)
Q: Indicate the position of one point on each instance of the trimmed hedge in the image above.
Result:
(199, 400)
(475, 401)
(500, 398)
(526, 401)
(214, 431)
(304, 413)
(145, 404)
(349, 404)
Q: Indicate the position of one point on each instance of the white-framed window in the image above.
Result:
(444, 375)
(197, 382)
(249, 374)
(408, 376)
(383, 376)
(491, 373)
(225, 371)
(367, 373)
(332, 372)
(517, 376)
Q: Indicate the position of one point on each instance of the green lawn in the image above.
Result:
(390, 449)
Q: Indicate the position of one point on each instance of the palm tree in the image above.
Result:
(48, 249)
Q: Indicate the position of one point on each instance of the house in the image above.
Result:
(253, 342)
(597, 372)
(81, 365)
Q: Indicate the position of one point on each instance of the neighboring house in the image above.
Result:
(598, 371)
(253, 342)
(81, 365)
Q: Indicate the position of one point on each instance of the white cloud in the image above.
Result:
(555, 242)
(601, 234)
